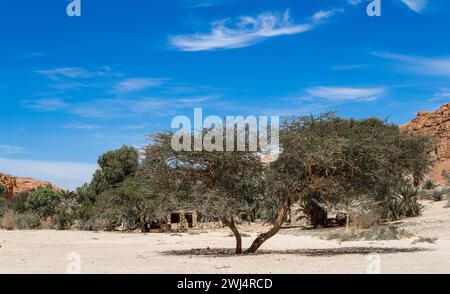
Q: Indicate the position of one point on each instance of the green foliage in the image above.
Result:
(124, 204)
(18, 203)
(2, 191)
(404, 202)
(115, 167)
(344, 162)
(43, 202)
(437, 195)
(429, 185)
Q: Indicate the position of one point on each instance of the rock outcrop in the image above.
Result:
(437, 125)
(16, 185)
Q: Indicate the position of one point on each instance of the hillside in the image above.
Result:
(15, 185)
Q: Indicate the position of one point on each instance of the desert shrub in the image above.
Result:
(437, 195)
(2, 191)
(85, 215)
(366, 215)
(377, 233)
(429, 185)
(8, 220)
(63, 220)
(27, 221)
(404, 202)
(430, 240)
(269, 207)
(18, 202)
(44, 202)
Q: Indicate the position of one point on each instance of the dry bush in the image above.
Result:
(8, 222)
(365, 215)
(377, 233)
(430, 240)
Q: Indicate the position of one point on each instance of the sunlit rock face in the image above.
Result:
(437, 125)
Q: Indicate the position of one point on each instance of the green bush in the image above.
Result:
(404, 202)
(18, 202)
(27, 221)
(44, 202)
(429, 185)
(2, 191)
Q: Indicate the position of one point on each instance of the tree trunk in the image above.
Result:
(142, 224)
(347, 222)
(281, 218)
(237, 235)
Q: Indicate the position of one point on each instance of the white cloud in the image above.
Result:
(67, 175)
(49, 104)
(246, 31)
(343, 67)
(66, 72)
(442, 95)
(82, 126)
(344, 94)
(58, 74)
(11, 149)
(434, 66)
(418, 6)
(137, 84)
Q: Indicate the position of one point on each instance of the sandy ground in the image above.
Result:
(102, 252)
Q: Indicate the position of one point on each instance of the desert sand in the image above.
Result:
(50, 251)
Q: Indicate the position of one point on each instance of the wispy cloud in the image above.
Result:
(246, 31)
(343, 67)
(29, 55)
(442, 95)
(434, 66)
(65, 72)
(116, 107)
(66, 175)
(137, 84)
(82, 126)
(345, 94)
(11, 149)
(60, 73)
(418, 6)
(49, 104)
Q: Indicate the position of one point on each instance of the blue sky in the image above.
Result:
(72, 88)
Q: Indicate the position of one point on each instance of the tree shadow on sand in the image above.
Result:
(229, 252)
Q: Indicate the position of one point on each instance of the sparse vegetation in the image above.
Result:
(429, 185)
(376, 233)
(430, 240)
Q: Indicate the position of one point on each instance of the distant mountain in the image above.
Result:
(437, 125)
(15, 185)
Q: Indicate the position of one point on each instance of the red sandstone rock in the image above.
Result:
(437, 125)
(16, 185)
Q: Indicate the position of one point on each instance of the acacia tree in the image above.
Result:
(222, 184)
(338, 161)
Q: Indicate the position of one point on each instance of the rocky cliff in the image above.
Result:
(16, 185)
(437, 125)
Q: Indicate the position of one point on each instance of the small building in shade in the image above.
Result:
(181, 220)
